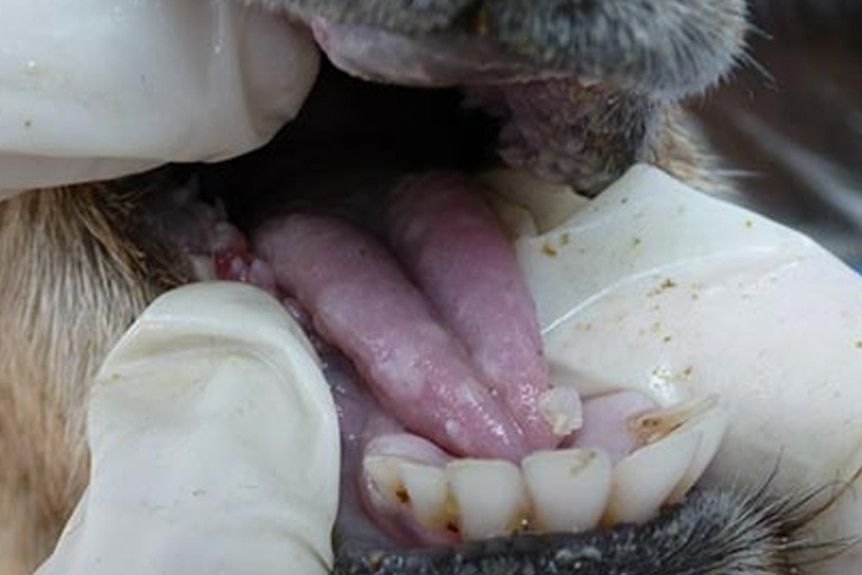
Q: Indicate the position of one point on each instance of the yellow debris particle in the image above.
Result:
(667, 284)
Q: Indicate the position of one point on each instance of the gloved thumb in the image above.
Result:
(214, 445)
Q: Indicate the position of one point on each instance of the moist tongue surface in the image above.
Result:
(462, 367)
(451, 242)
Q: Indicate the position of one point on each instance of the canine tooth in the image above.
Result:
(489, 496)
(652, 426)
(644, 480)
(569, 489)
(703, 417)
(562, 409)
(428, 491)
(547, 205)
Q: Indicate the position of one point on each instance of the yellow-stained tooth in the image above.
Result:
(427, 491)
(489, 495)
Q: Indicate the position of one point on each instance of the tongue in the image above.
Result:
(434, 363)
(450, 241)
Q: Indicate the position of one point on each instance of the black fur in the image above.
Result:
(711, 533)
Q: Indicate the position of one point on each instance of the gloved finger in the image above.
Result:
(101, 88)
(214, 445)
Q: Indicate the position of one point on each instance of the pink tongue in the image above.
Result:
(440, 382)
(362, 303)
(451, 242)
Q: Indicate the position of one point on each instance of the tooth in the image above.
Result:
(703, 417)
(489, 497)
(569, 489)
(547, 205)
(681, 441)
(385, 487)
(644, 480)
(428, 491)
(562, 409)
(710, 428)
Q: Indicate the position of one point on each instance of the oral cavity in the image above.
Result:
(453, 351)
(451, 425)
(422, 496)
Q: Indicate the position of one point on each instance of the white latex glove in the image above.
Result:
(95, 89)
(215, 446)
(657, 287)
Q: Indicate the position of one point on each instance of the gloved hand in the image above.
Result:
(660, 288)
(214, 446)
(97, 89)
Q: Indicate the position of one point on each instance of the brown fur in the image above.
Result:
(73, 283)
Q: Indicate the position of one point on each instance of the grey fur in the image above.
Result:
(711, 533)
(672, 47)
(406, 16)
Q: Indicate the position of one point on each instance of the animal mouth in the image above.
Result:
(412, 291)
(402, 272)
(427, 330)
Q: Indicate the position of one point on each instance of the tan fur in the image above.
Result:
(72, 284)
(680, 149)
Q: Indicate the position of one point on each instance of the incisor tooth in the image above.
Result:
(644, 480)
(489, 497)
(428, 492)
(569, 489)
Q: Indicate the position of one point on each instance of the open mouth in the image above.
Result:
(384, 219)
(373, 217)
